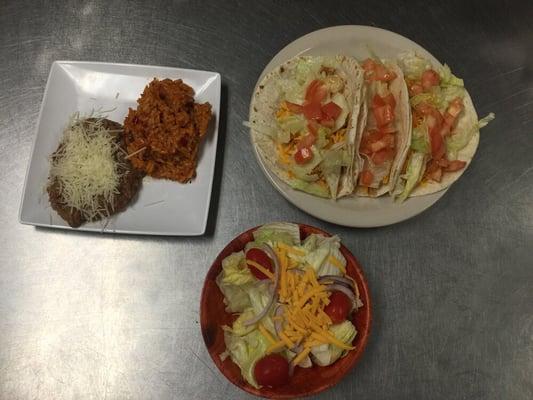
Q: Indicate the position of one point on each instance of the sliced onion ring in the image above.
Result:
(341, 280)
(277, 324)
(346, 291)
(273, 294)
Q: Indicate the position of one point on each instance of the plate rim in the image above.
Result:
(279, 185)
(199, 232)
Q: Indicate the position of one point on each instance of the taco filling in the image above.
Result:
(384, 137)
(445, 129)
(310, 140)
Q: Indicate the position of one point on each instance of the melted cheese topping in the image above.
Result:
(85, 167)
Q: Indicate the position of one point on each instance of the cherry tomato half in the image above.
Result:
(260, 257)
(339, 307)
(272, 371)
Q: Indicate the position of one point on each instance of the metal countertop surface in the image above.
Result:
(92, 316)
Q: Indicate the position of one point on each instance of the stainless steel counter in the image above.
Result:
(90, 316)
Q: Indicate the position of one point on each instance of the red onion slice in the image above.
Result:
(273, 294)
(341, 280)
(346, 291)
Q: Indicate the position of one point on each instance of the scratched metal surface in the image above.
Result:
(115, 317)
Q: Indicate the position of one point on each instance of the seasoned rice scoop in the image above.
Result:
(164, 133)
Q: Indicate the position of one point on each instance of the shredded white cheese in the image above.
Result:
(86, 167)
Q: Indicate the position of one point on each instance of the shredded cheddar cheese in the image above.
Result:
(260, 268)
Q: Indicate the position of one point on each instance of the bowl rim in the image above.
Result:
(364, 335)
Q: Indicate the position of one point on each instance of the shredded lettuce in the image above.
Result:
(322, 139)
(340, 100)
(290, 124)
(456, 142)
(319, 249)
(412, 65)
(283, 232)
(310, 187)
(234, 281)
(413, 174)
(449, 79)
(327, 354)
(245, 351)
(420, 139)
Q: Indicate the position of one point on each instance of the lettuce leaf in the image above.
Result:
(284, 232)
(327, 354)
(460, 139)
(413, 174)
(420, 139)
(245, 351)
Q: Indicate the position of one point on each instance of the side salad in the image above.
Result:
(293, 301)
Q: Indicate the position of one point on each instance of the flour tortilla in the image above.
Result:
(466, 121)
(265, 103)
(398, 88)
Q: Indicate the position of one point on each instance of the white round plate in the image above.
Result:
(353, 40)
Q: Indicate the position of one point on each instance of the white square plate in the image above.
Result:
(162, 207)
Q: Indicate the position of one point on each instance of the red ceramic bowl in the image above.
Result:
(304, 382)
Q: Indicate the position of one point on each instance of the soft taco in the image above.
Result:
(383, 139)
(303, 120)
(445, 128)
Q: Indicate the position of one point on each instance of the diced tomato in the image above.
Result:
(381, 73)
(293, 107)
(432, 166)
(414, 89)
(389, 128)
(436, 175)
(312, 110)
(430, 78)
(327, 122)
(443, 162)
(386, 141)
(332, 110)
(381, 156)
(306, 141)
(384, 115)
(455, 107)
(369, 65)
(316, 91)
(437, 144)
(366, 178)
(377, 101)
(455, 165)
(303, 155)
(390, 100)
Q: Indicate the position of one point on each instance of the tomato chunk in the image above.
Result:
(381, 73)
(306, 141)
(366, 178)
(384, 115)
(455, 165)
(332, 110)
(430, 78)
(414, 89)
(316, 92)
(303, 155)
(381, 156)
(312, 110)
